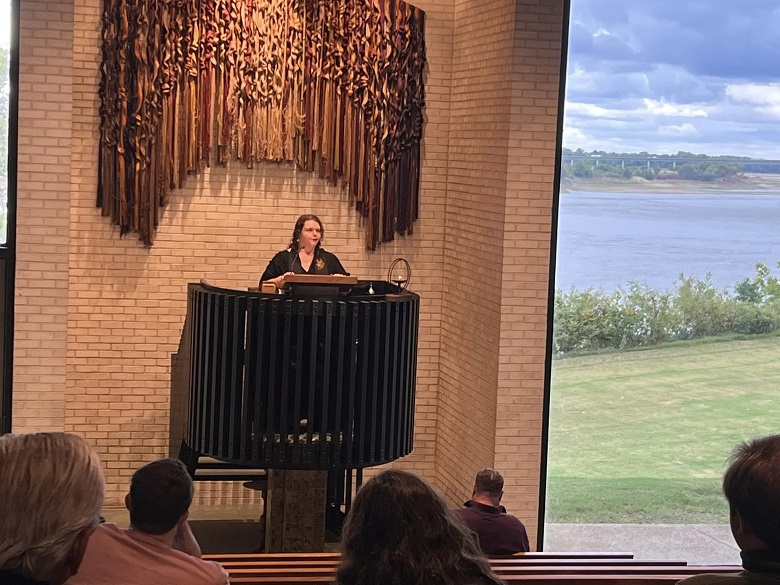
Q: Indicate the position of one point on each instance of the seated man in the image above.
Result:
(499, 533)
(751, 485)
(51, 493)
(159, 546)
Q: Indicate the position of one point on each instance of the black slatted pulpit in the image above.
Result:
(319, 378)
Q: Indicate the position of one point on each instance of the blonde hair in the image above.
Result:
(51, 489)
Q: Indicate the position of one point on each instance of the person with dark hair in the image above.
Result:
(400, 531)
(499, 533)
(751, 485)
(52, 491)
(159, 546)
(304, 254)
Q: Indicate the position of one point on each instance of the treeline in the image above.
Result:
(638, 315)
(699, 171)
(661, 157)
(600, 163)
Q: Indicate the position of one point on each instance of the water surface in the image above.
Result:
(608, 239)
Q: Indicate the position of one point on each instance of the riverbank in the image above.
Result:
(751, 182)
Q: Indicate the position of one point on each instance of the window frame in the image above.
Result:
(8, 251)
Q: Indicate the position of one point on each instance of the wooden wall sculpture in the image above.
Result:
(335, 86)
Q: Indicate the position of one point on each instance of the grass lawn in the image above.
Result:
(644, 436)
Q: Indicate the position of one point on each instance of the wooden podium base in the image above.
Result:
(295, 511)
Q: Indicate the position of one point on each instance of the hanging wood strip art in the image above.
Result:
(334, 86)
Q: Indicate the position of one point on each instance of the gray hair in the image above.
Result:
(51, 489)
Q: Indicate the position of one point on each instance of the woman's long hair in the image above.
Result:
(299, 223)
(401, 532)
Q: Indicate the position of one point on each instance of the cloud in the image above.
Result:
(634, 109)
(574, 135)
(686, 129)
(592, 111)
(765, 97)
(661, 108)
(664, 75)
(721, 37)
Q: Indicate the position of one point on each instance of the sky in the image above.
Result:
(668, 75)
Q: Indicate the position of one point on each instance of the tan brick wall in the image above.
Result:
(529, 199)
(45, 109)
(98, 316)
(476, 191)
(506, 60)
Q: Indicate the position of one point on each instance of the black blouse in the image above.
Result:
(288, 261)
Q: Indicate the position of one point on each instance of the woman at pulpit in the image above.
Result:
(304, 255)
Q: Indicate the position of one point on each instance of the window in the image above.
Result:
(9, 78)
(667, 311)
(5, 99)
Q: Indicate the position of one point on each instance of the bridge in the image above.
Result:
(746, 165)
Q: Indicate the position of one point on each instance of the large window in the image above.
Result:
(667, 309)
(5, 98)
(9, 74)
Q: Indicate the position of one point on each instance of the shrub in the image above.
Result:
(702, 309)
(638, 315)
(752, 320)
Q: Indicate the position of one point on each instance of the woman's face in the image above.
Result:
(310, 235)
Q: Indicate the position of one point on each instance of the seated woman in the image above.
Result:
(400, 531)
(304, 255)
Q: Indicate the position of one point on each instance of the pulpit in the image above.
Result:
(319, 379)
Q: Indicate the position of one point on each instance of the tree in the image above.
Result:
(581, 168)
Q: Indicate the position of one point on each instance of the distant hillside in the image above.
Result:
(671, 184)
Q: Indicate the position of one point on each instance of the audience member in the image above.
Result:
(751, 485)
(159, 546)
(399, 531)
(51, 493)
(498, 533)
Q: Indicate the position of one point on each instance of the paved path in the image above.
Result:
(699, 544)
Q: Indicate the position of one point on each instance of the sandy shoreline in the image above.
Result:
(748, 182)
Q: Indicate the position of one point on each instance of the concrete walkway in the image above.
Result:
(699, 544)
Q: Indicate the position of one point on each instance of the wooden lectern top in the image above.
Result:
(319, 280)
(317, 284)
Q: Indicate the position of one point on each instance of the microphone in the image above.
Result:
(293, 258)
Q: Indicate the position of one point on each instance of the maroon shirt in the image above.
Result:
(498, 533)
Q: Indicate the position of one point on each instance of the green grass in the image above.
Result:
(636, 501)
(643, 437)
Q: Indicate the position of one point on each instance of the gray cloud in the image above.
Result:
(641, 72)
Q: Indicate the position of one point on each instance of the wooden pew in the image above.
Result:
(497, 563)
(608, 579)
(335, 555)
(670, 579)
(503, 571)
(533, 568)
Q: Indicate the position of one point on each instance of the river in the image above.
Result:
(609, 239)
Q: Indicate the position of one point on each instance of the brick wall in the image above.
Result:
(526, 263)
(476, 190)
(98, 316)
(126, 304)
(45, 109)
